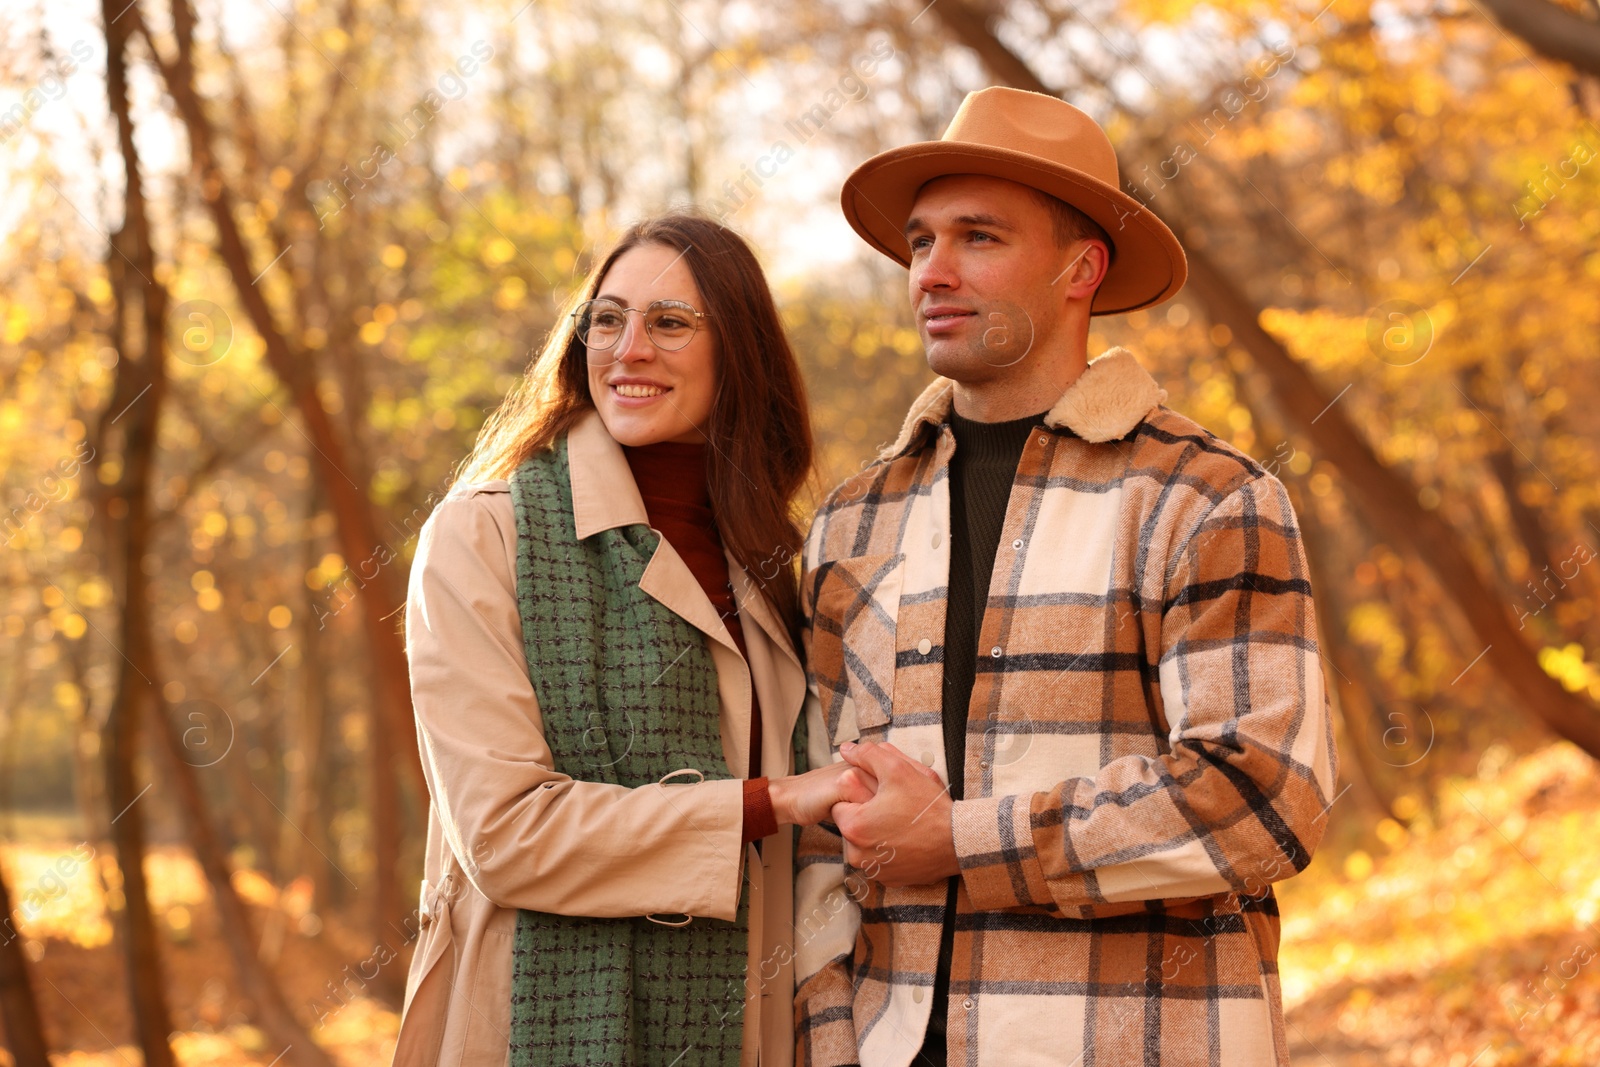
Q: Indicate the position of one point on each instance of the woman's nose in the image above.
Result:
(634, 344)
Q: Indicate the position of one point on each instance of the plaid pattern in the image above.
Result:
(1148, 747)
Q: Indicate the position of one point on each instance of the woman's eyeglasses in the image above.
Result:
(668, 323)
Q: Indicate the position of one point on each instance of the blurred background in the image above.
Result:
(267, 264)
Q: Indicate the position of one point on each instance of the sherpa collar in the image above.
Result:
(1111, 397)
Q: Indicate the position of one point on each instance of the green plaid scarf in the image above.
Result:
(628, 693)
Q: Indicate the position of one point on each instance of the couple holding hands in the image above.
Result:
(1051, 661)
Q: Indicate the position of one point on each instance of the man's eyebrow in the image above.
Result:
(993, 222)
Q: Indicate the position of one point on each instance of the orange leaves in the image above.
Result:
(1468, 935)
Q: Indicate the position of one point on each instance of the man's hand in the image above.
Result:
(909, 813)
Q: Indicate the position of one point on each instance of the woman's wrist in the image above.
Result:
(778, 792)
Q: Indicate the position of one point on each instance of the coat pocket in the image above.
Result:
(851, 655)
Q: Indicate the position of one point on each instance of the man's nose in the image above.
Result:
(935, 271)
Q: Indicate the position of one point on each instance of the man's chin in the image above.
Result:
(956, 360)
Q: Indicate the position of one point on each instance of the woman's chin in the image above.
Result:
(637, 429)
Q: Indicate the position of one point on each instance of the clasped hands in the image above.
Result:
(893, 812)
(894, 816)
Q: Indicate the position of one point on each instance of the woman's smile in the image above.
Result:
(636, 392)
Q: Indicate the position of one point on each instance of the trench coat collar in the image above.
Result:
(605, 497)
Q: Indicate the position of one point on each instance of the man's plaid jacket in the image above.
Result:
(1148, 745)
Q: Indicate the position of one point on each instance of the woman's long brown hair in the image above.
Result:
(759, 433)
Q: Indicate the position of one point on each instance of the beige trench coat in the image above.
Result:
(507, 832)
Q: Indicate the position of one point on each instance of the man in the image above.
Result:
(1069, 635)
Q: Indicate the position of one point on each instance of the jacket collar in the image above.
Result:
(1112, 396)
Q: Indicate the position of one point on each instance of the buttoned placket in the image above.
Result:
(937, 540)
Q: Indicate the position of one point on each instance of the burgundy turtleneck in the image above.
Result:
(677, 499)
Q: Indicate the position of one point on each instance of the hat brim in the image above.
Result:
(1149, 263)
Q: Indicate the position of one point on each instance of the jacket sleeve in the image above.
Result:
(1241, 798)
(827, 915)
(524, 835)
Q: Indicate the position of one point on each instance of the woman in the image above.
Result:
(605, 877)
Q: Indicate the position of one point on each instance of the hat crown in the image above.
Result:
(1037, 125)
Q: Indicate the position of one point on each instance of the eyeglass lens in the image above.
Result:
(668, 323)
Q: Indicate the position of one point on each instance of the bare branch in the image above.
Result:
(1552, 30)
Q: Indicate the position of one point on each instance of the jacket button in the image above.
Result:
(995, 652)
(1017, 543)
(936, 539)
(917, 994)
(926, 758)
(924, 646)
(967, 1004)
(984, 764)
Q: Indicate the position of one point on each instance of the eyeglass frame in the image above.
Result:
(699, 317)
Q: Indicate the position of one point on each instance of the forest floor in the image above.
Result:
(1465, 940)
(1469, 942)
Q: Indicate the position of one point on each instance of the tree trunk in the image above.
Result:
(19, 1012)
(342, 471)
(88, 734)
(134, 418)
(269, 1008)
(389, 983)
(17, 690)
(317, 804)
(1390, 505)
(1387, 499)
(1526, 522)
(302, 735)
(248, 816)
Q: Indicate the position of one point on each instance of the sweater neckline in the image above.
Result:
(993, 440)
(672, 471)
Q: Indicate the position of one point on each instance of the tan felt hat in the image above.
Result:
(1041, 142)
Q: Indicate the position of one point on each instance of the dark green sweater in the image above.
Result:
(981, 473)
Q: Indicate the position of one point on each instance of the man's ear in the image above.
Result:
(1085, 268)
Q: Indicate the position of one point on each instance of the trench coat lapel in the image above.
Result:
(605, 496)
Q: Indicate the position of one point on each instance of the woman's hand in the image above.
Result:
(806, 799)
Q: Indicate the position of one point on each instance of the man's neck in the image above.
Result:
(1036, 388)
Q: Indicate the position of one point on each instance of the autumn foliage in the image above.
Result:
(265, 272)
